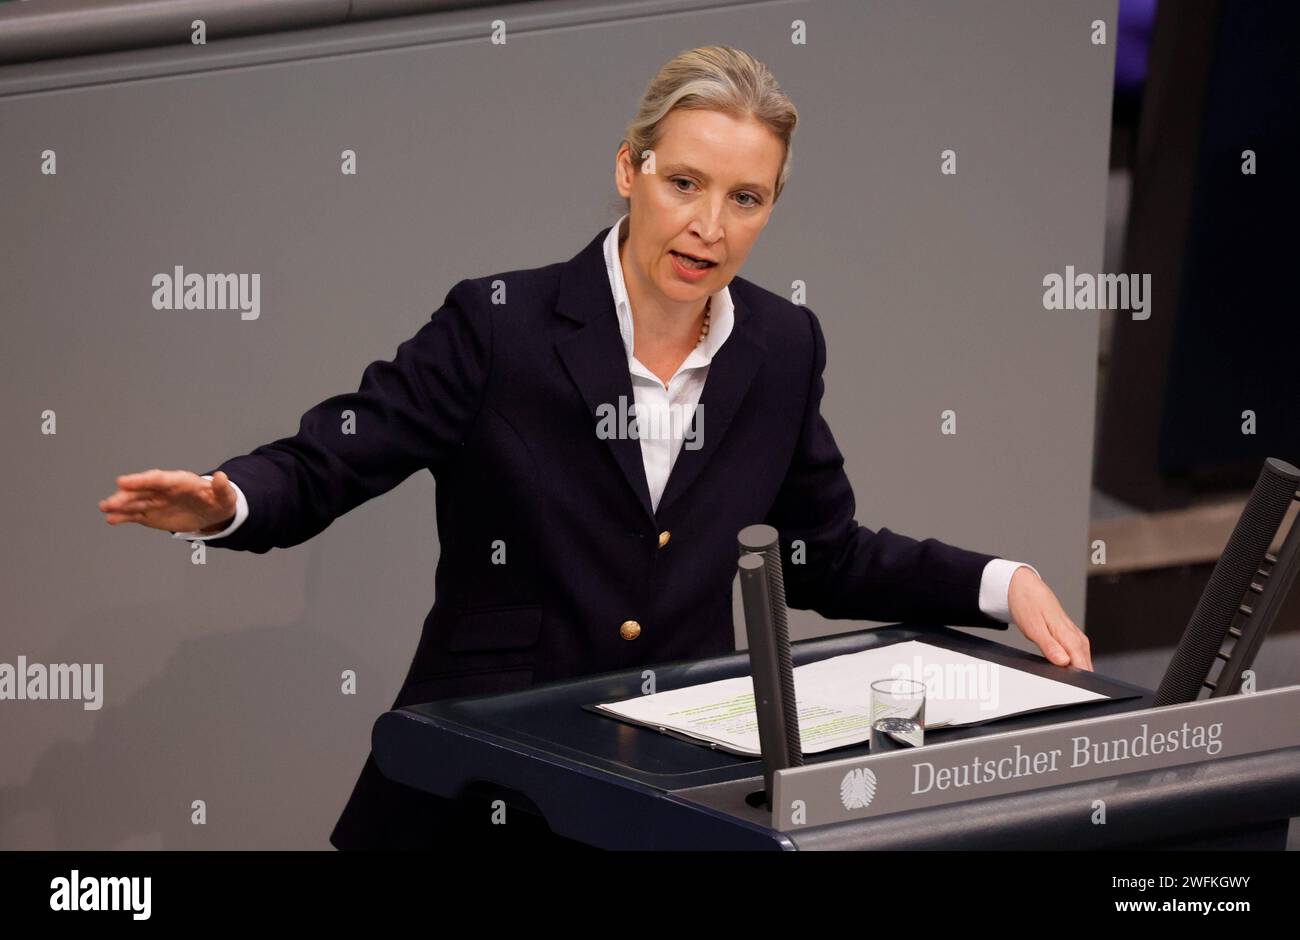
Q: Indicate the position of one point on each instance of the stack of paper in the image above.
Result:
(834, 697)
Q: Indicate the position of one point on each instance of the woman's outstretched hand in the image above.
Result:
(1038, 614)
(172, 500)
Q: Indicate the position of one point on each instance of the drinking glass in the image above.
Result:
(897, 714)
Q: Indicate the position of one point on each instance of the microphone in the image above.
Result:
(762, 588)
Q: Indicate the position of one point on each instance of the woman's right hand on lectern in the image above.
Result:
(172, 500)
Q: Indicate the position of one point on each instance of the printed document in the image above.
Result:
(834, 698)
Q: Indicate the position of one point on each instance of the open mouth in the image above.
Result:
(698, 264)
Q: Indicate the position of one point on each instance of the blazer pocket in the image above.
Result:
(496, 628)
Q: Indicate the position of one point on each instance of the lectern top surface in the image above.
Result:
(556, 720)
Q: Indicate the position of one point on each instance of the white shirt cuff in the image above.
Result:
(995, 587)
(241, 513)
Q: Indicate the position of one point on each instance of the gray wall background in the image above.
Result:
(222, 681)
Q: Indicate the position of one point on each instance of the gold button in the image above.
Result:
(664, 536)
(630, 630)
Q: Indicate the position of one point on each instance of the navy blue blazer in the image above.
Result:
(499, 402)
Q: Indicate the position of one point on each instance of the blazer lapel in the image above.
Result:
(731, 373)
(596, 360)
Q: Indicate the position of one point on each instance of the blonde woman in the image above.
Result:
(611, 427)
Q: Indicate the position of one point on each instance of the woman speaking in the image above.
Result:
(600, 429)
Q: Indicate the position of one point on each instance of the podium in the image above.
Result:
(607, 783)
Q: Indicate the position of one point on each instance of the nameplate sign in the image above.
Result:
(1035, 758)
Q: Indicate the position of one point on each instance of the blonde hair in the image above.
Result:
(713, 78)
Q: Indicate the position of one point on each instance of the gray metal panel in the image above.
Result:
(1142, 809)
(1208, 798)
(144, 39)
(53, 28)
